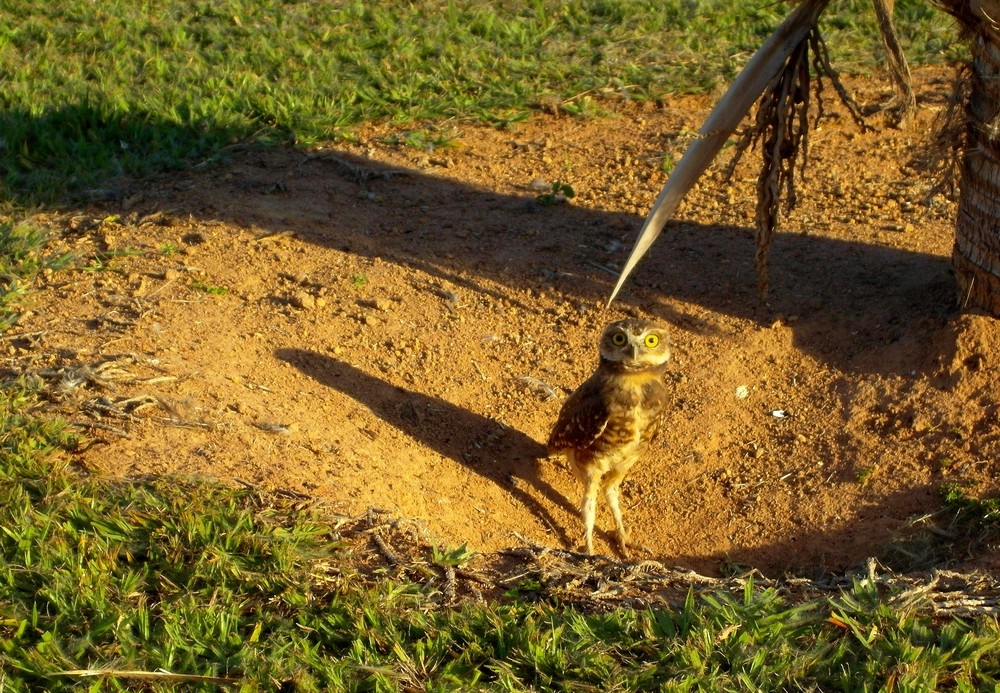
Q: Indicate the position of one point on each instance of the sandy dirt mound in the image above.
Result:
(377, 325)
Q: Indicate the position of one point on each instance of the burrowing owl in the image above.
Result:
(607, 423)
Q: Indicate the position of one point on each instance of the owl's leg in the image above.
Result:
(588, 508)
(611, 493)
(610, 487)
(588, 474)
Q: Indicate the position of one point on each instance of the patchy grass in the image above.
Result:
(558, 193)
(116, 580)
(979, 515)
(22, 257)
(203, 286)
(94, 91)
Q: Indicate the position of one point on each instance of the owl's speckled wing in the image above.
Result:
(582, 419)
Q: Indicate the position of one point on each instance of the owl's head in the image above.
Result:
(633, 344)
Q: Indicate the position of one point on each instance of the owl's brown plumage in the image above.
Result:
(607, 423)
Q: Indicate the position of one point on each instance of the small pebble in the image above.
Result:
(302, 299)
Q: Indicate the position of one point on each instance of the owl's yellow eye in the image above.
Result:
(618, 339)
(652, 340)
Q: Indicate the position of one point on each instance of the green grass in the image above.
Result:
(205, 581)
(93, 91)
(980, 517)
(203, 286)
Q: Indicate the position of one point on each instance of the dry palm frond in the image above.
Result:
(782, 123)
(902, 105)
(956, 128)
(942, 157)
(782, 128)
(781, 77)
(760, 71)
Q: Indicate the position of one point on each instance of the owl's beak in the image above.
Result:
(634, 349)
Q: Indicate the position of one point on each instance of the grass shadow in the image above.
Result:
(84, 151)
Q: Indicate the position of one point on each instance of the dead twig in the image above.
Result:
(450, 591)
(540, 388)
(186, 423)
(98, 426)
(602, 583)
(383, 546)
(157, 675)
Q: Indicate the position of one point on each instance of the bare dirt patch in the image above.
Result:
(379, 326)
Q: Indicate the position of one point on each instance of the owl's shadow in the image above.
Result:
(496, 452)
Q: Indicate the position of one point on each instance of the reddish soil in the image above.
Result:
(376, 325)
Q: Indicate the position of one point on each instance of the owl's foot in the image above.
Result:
(638, 547)
(624, 546)
(622, 543)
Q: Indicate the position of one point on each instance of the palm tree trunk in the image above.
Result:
(976, 257)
